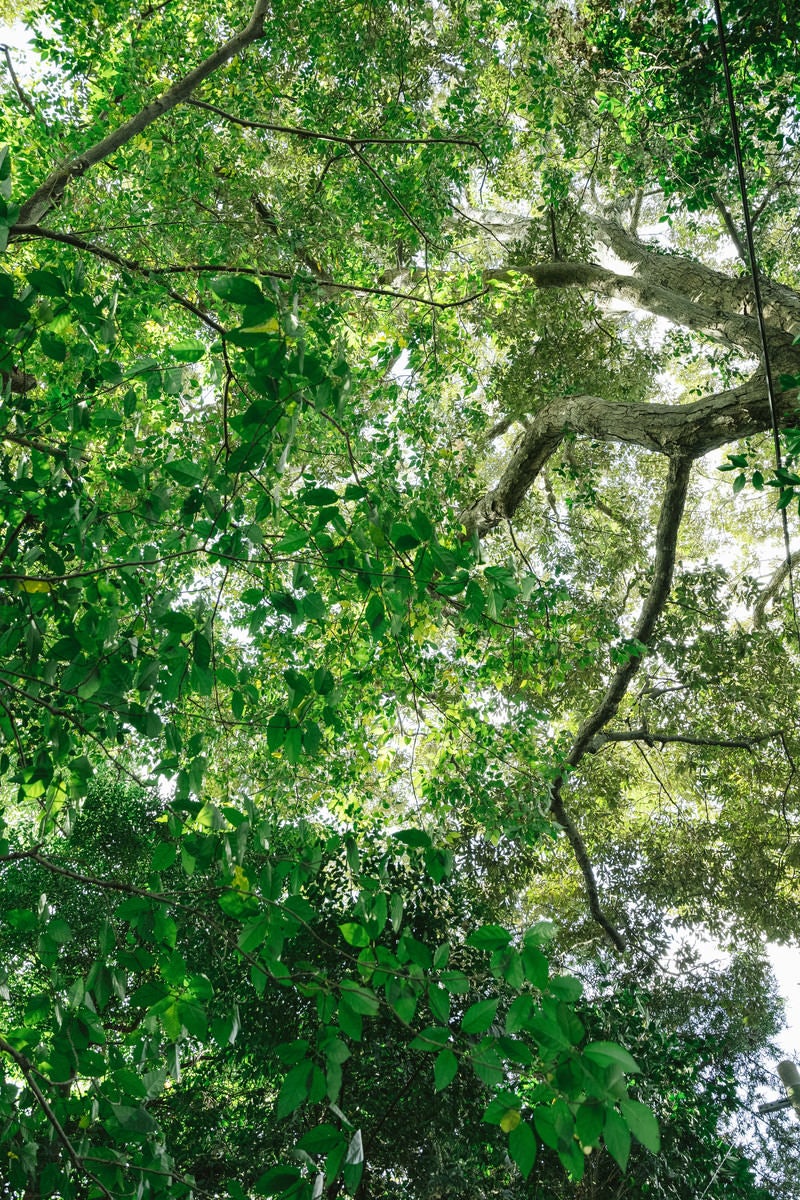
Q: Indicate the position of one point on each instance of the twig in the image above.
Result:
(353, 141)
(127, 264)
(24, 97)
(27, 1069)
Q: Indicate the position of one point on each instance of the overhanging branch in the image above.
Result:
(49, 193)
(664, 737)
(683, 430)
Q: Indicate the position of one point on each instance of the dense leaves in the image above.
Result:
(357, 687)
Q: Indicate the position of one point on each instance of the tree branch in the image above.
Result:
(651, 736)
(27, 1068)
(663, 299)
(71, 239)
(127, 264)
(732, 231)
(692, 279)
(673, 297)
(353, 141)
(683, 430)
(49, 193)
(25, 99)
(666, 544)
(772, 589)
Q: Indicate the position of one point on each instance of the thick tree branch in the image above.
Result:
(663, 737)
(49, 194)
(666, 544)
(685, 430)
(693, 280)
(671, 298)
(662, 299)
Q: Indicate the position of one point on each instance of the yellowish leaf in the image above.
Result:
(510, 1119)
(270, 326)
(34, 585)
(240, 880)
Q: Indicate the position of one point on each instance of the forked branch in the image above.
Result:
(683, 430)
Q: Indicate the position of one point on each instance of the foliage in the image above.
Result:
(316, 688)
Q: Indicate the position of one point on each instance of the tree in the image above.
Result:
(362, 607)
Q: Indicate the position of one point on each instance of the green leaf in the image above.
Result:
(489, 937)
(46, 283)
(321, 1140)
(431, 1039)
(455, 982)
(163, 856)
(188, 350)
(254, 933)
(486, 1063)
(479, 1016)
(445, 1068)
(354, 935)
(535, 966)
(53, 346)
(522, 1147)
(237, 289)
(184, 471)
(276, 1181)
(566, 987)
(133, 1120)
(412, 837)
(59, 931)
(642, 1124)
(610, 1052)
(360, 999)
(617, 1138)
(589, 1121)
(295, 1088)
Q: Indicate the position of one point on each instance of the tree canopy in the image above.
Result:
(393, 688)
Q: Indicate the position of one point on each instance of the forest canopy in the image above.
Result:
(396, 621)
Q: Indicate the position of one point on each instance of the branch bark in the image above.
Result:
(663, 737)
(666, 544)
(664, 299)
(683, 430)
(692, 279)
(48, 195)
(772, 588)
